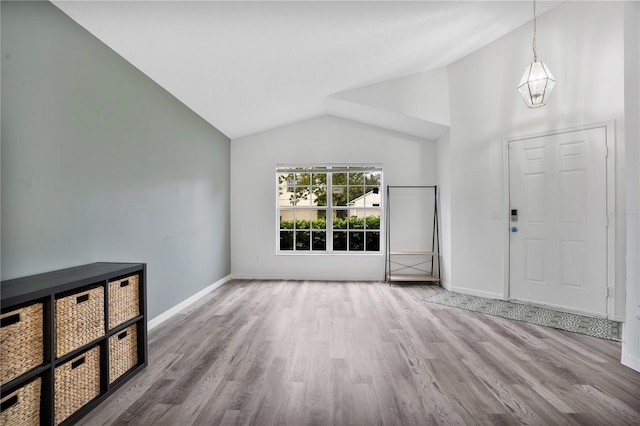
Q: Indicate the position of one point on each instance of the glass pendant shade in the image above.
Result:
(536, 84)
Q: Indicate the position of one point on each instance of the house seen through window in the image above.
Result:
(329, 209)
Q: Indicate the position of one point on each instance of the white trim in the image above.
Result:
(617, 318)
(605, 124)
(329, 253)
(445, 284)
(506, 219)
(329, 169)
(610, 131)
(633, 363)
(339, 277)
(156, 321)
(612, 313)
(627, 359)
(474, 292)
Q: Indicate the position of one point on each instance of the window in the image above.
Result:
(329, 209)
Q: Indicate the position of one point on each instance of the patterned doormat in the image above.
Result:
(597, 327)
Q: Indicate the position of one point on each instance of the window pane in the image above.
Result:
(339, 196)
(373, 241)
(319, 197)
(356, 178)
(319, 240)
(340, 220)
(299, 187)
(303, 219)
(355, 213)
(303, 240)
(303, 196)
(319, 221)
(294, 197)
(287, 179)
(372, 196)
(356, 195)
(356, 241)
(286, 219)
(303, 179)
(339, 178)
(356, 222)
(282, 182)
(319, 179)
(339, 241)
(372, 178)
(286, 191)
(286, 240)
(373, 219)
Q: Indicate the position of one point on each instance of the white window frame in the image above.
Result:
(329, 208)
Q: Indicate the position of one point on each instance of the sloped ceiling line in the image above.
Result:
(250, 66)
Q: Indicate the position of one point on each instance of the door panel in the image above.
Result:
(573, 197)
(536, 197)
(536, 261)
(573, 262)
(558, 249)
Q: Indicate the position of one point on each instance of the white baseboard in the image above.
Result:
(445, 284)
(629, 358)
(156, 321)
(630, 361)
(473, 292)
(618, 318)
(305, 277)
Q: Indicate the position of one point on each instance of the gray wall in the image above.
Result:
(99, 163)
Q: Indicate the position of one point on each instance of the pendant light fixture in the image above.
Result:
(537, 81)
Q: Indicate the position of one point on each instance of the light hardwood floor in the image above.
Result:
(355, 353)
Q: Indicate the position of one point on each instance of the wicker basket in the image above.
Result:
(22, 407)
(76, 383)
(124, 300)
(123, 352)
(79, 320)
(20, 341)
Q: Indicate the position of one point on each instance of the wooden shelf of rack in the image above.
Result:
(413, 278)
(413, 253)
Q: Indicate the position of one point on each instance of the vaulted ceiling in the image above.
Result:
(250, 66)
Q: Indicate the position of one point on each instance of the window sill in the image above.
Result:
(324, 253)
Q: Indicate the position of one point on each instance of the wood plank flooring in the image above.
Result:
(361, 353)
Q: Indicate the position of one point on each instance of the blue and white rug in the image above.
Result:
(597, 327)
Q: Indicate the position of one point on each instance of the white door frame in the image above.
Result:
(610, 131)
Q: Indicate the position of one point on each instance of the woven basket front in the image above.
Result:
(21, 344)
(76, 383)
(22, 407)
(124, 300)
(123, 352)
(79, 320)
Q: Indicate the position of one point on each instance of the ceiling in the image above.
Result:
(246, 67)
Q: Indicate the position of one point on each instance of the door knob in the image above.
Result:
(514, 229)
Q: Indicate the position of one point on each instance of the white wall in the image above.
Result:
(406, 161)
(443, 168)
(631, 329)
(582, 42)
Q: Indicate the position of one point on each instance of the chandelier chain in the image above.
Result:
(535, 50)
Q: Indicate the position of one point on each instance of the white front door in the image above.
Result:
(558, 236)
